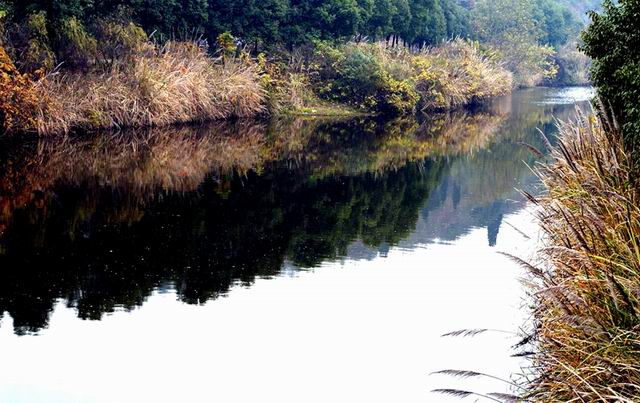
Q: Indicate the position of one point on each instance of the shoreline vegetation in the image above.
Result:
(586, 288)
(180, 82)
(65, 68)
(586, 295)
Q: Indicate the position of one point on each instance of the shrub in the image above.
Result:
(227, 44)
(19, 100)
(573, 66)
(530, 63)
(396, 97)
(358, 74)
(396, 81)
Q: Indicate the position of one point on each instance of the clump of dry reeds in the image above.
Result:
(588, 296)
(176, 83)
(456, 73)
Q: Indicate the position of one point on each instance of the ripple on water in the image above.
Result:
(567, 96)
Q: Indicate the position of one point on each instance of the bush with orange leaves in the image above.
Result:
(19, 100)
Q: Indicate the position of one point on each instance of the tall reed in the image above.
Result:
(588, 297)
(176, 83)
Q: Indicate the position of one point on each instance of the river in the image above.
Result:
(313, 260)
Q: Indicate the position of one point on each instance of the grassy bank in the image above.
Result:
(135, 82)
(174, 83)
(588, 312)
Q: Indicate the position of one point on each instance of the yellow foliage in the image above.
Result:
(19, 100)
(227, 43)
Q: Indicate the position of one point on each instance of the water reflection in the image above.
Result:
(102, 222)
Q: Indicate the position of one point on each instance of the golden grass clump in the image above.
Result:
(588, 300)
(176, 83)
(456, 73)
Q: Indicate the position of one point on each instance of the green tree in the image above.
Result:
(510, 27)
(613, 42)
(378, 16)
(429, 24)
(558, 24)
(252, 21)
(402, 18)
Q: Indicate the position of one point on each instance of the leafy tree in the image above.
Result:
(429, 24)
(251, 20)
(378, 15)
(613, 42)
(511, 27)
(558, 24)
(401, 20)
(457, 19)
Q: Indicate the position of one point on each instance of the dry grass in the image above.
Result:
(177, 83)
(456, 73)
(588, 312)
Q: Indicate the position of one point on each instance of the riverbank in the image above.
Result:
(181, 82)
(587, 316)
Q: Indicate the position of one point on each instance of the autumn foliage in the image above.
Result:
(19, 100)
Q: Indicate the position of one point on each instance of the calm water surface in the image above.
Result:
(301, 260)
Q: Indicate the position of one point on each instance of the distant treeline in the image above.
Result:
(292, 23)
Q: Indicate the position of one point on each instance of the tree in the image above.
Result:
(252, 21)
(428, 23)
(510, 27)
(613, 42)
(558, 23)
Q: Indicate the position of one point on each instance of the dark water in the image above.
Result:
(299, 260)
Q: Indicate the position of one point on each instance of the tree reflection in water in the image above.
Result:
(102, 222)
